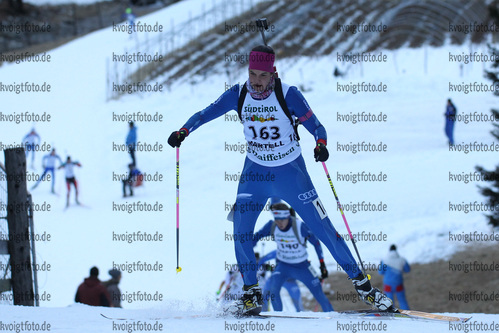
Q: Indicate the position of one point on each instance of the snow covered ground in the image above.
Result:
(417, 162)
(83, 318)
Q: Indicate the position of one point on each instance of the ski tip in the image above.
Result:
(179, 269)
(103, 315)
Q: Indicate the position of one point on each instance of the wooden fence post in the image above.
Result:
(17, 219)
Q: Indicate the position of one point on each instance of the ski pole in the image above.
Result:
(178, 267)
(344, 218)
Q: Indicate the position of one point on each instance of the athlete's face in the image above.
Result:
(282, 223)
(259, 80)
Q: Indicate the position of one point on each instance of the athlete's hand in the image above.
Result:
(177, 137)
(320, 153)
(324, 273)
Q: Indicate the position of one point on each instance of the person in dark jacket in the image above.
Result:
(113, 289)
(131, 140)
(132, 179)
(92, 291)
(450, 119)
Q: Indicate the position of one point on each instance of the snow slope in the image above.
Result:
(417, 164)
(82, 318)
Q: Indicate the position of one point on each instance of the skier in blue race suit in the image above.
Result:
(392, 267)
(48, 164)
(290, 285)
(292, 255)
(273, 147)
(31, 140)
(450, 119)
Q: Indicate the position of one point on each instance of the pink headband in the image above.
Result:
(261, 61)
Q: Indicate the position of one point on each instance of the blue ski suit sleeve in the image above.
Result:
(267, 257)
(407, 268)
(298, 106)
(265, 231)
(305, 232)
(382, 268)
(226, 102)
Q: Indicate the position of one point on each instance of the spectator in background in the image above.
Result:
(450, 119)
(130, 17)
(337, 73)
(134, 179)
(392, 267)
(92, 291)
(131, 140)
(113, 289)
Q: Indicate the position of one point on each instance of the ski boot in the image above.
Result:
(372, 296)
(250, 303)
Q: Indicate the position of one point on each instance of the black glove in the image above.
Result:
(177, 137)
(320, 153)
(324, 272)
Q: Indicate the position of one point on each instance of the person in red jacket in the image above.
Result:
(92, 291)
